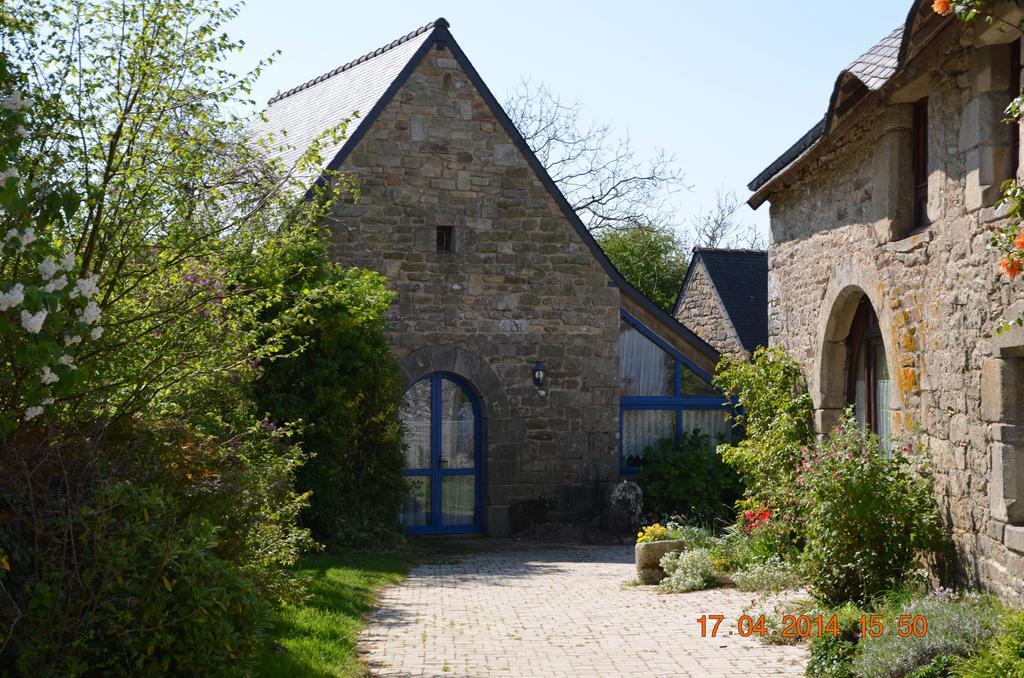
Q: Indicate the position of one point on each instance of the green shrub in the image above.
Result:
(866, 517)
(774, 410)
(768, 576)
(689, 570)
(148, 594)
(346, 390)
(832, 655)
(957, 625)
(693, 536)
(1002, 655)
(738, 549)
(940, 667)
(688, 477)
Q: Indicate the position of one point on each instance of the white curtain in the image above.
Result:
(644, 428)
(714, 423)
(644, 368)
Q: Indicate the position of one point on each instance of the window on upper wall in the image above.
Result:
(444, 238)
(662, 395)
(919, 163)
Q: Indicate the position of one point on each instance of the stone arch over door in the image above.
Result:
(849, 283)
(501, 434)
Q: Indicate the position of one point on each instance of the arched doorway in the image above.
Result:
(443, 426)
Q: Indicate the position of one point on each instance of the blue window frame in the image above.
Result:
(444, 440)
(662, 394)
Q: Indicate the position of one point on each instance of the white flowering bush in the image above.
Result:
(771, 575)
(48, 312)
(689, 570)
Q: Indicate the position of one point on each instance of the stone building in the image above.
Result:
(496, 279)
(724, 299)
(880, 282)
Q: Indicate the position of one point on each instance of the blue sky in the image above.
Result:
(725, 92)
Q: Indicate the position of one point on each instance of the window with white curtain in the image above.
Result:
(662, 394)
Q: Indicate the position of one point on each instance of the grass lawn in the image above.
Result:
(320, 635)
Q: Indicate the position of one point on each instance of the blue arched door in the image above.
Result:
(442, 457)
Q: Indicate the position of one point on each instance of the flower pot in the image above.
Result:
(649, 555)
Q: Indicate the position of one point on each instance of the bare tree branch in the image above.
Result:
(601, 175)
(720, 227)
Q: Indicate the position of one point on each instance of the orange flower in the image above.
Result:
(1019, 240)
(1011, 267)
(942, 7)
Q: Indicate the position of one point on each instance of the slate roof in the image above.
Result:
(741, 279)
(873, 69)
(306, 111)
(367, 85)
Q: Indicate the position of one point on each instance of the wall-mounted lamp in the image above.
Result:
(540, 378)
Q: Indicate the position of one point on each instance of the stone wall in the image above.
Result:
(937, 294)
(701, 310)
(519, 286)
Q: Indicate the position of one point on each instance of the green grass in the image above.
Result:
(319, 636)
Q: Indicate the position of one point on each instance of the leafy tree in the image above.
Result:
(152, 232)
(652, 259)
(345, 389)
(774, 409)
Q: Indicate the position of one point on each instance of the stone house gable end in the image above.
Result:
(700, 308)
(493, 272)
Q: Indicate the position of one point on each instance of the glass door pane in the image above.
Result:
(416, 507)
(642, 429)
(458, 500)
(415, 417)
(458, 428)
(882, 416)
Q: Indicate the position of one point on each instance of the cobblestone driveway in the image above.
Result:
(523, 611)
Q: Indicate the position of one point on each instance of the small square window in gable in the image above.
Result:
(445, 236)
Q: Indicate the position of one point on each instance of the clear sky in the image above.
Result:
(725, 87)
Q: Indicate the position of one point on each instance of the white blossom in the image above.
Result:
(70, 339)
(33, 322)
(21, 131)
(27, 237)
(9, 173)
(87, 287)
(97, 332)
(12, 233)
(47, 268)
(68, 262)
(12, 297)
(15, 102)
(57, 284)
(67, 360)
(90, 314)
(46, 401)
(33, 412)
(49, 376)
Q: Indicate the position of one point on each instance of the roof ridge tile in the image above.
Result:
(440, 22)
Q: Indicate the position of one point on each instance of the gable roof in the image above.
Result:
(298, 116)
(741, 279)
(374, 79)
(868, 73)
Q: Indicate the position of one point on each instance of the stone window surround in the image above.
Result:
(849, 282)
(984, 140)
(1002, 407)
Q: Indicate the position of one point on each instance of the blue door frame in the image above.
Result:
(437, 473)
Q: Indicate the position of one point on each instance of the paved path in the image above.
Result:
(533, 610)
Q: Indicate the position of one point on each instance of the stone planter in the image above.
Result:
(648, 558)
